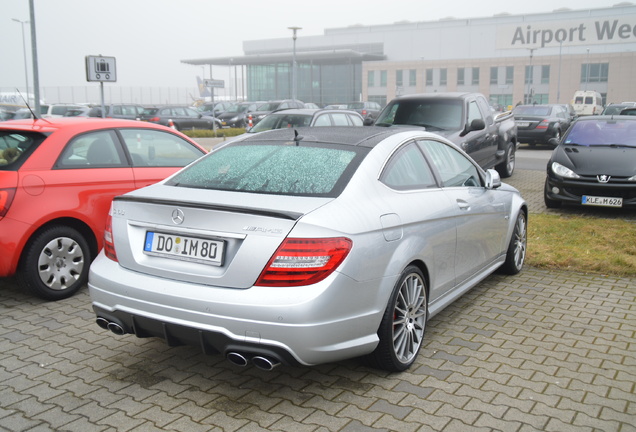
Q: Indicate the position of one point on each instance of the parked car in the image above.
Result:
(536, 124)
(119, 111)
(311, 105)
(594, 164)
(465, 118)
(179, 117)
(368, 110)
(57, 110)
(213, 110)
(306, 248)
(273, 106)
(616, 108)
(295, 118)
(628, 111)
(236, 115)
(57, 179)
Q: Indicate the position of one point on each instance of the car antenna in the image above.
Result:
(26, 102)
(297, 138)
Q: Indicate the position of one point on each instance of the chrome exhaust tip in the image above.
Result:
(102, 322)
(265, 363)
(116, 328)
(237, 358)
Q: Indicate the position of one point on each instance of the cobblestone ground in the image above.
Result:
(540, 351)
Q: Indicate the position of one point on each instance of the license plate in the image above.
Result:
(602, 201)
(184, 248)
(523, 124)
(223, 123)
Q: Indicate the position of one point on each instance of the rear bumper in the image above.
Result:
(330, 321)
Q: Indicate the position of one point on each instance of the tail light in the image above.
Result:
(6, 197)
(109, 244)
(301, 261)
(154, 119)
(364, 113)
(543, 125)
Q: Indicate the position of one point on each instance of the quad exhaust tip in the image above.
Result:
(261, 362)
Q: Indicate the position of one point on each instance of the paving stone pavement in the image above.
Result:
(540, 351)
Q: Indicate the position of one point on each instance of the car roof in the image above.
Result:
(88, 123)
(368, 136)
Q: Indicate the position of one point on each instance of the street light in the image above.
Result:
(528, 97)
(294, 29)
(26, 70)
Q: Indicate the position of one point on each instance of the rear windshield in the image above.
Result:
(603, 133)
(279, 168)
(532, 110)
(16, 146)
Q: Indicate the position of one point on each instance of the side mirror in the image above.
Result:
(368, 122)
(475, 125)
(493, 180)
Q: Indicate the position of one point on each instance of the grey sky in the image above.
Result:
(148, 38)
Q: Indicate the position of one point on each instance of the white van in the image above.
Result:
(587, 102)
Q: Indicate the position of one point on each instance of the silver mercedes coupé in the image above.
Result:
(307, 246)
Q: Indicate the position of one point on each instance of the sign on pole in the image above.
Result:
(101, 69)
(214, 83)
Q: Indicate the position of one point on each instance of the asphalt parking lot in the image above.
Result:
(540, 351)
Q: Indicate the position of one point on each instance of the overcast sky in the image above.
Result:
(149, 38)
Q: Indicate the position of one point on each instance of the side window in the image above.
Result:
(323, 120)
(149, 147)
(455, 169)
(339, 119)
(92, 150)
(408, 170)
(355, 120)
(486, 112)
(473, 112)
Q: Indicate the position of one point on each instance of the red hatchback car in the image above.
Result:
(57, 179)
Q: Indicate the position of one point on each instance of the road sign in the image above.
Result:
(101, 69)
(214, 83)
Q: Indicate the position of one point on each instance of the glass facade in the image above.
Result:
(321, 83)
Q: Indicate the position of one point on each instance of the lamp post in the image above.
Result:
(559, 81)
(24, 54)
(529, 76)
(294, 30)
(587, 73)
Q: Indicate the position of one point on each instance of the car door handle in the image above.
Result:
(463, 205)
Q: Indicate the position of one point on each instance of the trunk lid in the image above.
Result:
(243, 229)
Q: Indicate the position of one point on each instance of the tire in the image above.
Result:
(403, 324)
(516, 253)
(550, 203)
(55, 263)
(507, 167)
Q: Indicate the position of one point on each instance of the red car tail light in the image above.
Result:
(6, 197)
(109, 244)
(154, 119)
(543, 125)
(300, 261)
(364, 113)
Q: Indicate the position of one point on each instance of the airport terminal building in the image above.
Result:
(541, 58)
